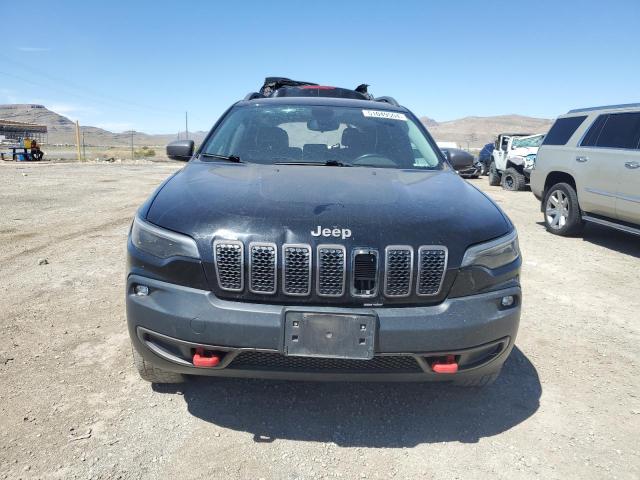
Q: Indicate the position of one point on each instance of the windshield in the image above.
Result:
(525, 142)
(306, 134)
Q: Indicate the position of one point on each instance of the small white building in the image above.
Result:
(442, 145)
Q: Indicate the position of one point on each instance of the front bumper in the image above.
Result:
(472, 171)
(527, 172)
(172, 321)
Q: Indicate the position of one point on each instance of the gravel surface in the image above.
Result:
(72, 406)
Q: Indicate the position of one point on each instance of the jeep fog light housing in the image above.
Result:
(493, 254)
(161, 243)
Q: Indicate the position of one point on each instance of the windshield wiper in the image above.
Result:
(328, 163)
(229, 158)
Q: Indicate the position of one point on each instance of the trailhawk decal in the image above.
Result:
(385, 115)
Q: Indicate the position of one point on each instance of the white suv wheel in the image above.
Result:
(557, 209)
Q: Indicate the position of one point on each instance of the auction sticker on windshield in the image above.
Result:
(385, 115)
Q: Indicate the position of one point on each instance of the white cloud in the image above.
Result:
(34, 49)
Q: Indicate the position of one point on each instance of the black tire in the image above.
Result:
(480, 381)
(483, 169)
(494, 175)
(572, 222)
(154, 374)
(513, 180)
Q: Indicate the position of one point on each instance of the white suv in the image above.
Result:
(588, 170)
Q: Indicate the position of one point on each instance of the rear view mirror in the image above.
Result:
(181, 150)
(323, 125)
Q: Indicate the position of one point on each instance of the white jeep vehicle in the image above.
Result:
(588, 170)
(512, 159)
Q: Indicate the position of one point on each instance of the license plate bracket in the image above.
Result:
(330, 335)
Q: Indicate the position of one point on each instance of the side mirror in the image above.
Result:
(181, 150)
(459, 159)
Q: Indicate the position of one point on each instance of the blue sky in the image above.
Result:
(125, 64)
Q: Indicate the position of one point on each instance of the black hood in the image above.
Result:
(285, 203)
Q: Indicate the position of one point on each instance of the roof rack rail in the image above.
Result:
(285, 87)
(389, 100)
(253, 95)
(605, 107)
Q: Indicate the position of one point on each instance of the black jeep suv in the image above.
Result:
(319, 233)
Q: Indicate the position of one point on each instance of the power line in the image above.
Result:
(92, 94)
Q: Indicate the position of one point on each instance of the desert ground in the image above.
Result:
(72, 406)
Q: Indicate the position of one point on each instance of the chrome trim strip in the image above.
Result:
(628, 151)
(628, 198)
(444, 271)
(607, 223)
(364, 251)
(275, 267)
(215, 261)
(344, 267)
(600, 192)
(386, 269)
(310, 266)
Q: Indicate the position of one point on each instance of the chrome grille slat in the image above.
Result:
(229, 263)
(263, 261)
(432, 265)
(396, 269)
(331, 270)
(398, 277)
(296, 269)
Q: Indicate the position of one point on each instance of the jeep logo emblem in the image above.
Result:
(343, 233)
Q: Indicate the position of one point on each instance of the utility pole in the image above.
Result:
(131, 144)
(78, 140)
(186, 125)
(84, 149)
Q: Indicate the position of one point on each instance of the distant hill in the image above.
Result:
(61, 130)
(477, 131)
(471, 131)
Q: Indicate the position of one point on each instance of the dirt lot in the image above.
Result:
(71, 405)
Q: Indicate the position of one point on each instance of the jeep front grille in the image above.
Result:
(399, 271)
(331, 270)
(296, 267)
(432, 263)
(324, 272)
(365, 272)
(229, 259)
(262, 267)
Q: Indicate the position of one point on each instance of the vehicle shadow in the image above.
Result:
(613, 239)
(610, 238)
(391, 415)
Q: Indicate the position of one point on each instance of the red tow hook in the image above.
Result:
(448, 365)
(204, 359)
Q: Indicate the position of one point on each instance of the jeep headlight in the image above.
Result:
(493, 254)
(530, 161)
(161, 243)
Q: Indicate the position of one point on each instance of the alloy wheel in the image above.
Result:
(557, 210)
